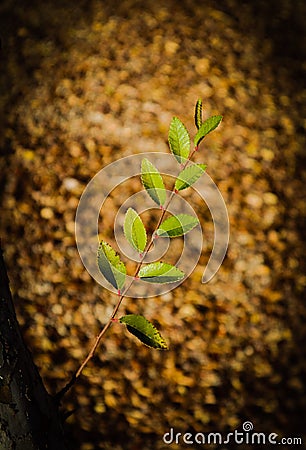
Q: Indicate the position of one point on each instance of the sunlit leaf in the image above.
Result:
(159, 272)
(111, 266)
(144, 330)
(179, 140)
(198, 114)
(177, 225)
(134, 230)
(189, 176)
(209, 125)
(153, 182)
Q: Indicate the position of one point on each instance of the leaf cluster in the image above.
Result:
(109, 262)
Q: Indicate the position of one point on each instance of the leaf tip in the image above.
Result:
(198, 113)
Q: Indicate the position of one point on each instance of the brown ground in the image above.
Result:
(83, 84)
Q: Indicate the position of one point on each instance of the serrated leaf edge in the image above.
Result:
(165, 233)
(159, 199)
(113, 268)
(159, 345)
(198, 114)
(200, 136)
(175, 125)
(156, 276)
(132, 240)
(195, 178)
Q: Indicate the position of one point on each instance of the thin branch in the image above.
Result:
(91, 353)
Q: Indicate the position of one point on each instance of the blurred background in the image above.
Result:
(86, 83)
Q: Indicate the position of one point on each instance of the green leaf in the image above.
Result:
(160, 272)
(144, 330)
(111, 266)
(153, 182)
(179, 140)
(189, 176)
(209, 125)
(177, 225)
(198, 114)
(134, 230)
